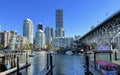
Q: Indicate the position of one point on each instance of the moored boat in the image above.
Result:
(105, 68)
(69, 52)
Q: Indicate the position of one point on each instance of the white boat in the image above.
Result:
(42, 52)
(90, 52)
(31, 55)
(69, 52)
(52, 52)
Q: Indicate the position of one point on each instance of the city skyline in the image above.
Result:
(79, 15)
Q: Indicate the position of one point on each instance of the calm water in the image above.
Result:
(64, 64)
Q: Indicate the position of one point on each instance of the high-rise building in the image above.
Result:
(49, 34)
(52, 33)
(28, 30)
(17, 42)
(13, 32)
(7, 36)
(62, 42)
(40, 38)
(4, 38)
(1, 38)
(12, 42)
(59, 32)
(40, 26)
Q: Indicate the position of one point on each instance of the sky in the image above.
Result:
(79, 15)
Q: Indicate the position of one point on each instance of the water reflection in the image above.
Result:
(68, 65)
(38, 63)
(64, 64)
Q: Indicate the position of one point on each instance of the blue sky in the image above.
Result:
(79, 15)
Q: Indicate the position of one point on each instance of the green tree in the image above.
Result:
(26, 47)
(49, 46)
(1, 47)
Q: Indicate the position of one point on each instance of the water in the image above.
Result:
(64, 64)
(68, 65)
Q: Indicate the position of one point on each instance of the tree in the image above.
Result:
(1, 47)
(26, 47)
(49, 46)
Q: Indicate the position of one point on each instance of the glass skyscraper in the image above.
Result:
(40, 37)
(28, 30)
(59, 32)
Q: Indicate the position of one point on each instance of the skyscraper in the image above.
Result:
(49, 35)
(59, 32)
(28, 30)
(7, 36)
(40, 37)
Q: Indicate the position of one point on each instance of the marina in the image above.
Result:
(60, 37)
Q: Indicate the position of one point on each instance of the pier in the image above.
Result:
(14, 66)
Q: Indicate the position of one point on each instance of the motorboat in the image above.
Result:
(31, 55)
(42, 53)
(89, 52)
(69, 52)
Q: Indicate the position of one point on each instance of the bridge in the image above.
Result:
(105, 32)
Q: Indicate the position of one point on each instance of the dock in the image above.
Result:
(10, 71)
(14, 62)
(116, 62)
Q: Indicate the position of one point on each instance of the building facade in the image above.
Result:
(49, 35)
(59, 32)
(28, 30)
(4, 38)
(17, 42)
(62, 42)
(40, 37)
(1, 38)
(7, 36)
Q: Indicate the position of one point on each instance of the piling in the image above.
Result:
(26, 62)
(110, 56)
(17, 65)
(51, 65)
(47, 61)
(115, 55)
(95, 60)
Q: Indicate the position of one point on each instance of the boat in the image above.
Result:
(31, 55)
(89, 52)
(69, 52)
(52, 52)
(105, 68)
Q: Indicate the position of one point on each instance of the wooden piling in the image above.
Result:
(95, 60)
(17, 65)
(47, 61)
(110, 56)
(26, 62)
(51, 65)
(26, 59)
(115, 55)
(14, 56)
